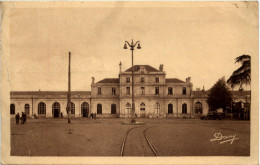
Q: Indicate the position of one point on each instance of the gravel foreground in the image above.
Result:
(104, 137)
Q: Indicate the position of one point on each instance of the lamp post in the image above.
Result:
(132, 46)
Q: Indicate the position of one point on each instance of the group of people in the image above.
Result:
(93, 115)
(22, 118)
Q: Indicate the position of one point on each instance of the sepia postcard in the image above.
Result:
(119, 82)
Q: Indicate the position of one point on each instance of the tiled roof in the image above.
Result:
(173, 80)
(49, 92)
(238, 93)
(146, 67)
(200, 93)
(109, 80)
(234, 93)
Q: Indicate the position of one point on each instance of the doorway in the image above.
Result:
(56, 109)
(85, 109)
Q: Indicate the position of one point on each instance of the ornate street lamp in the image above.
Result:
(132, 46)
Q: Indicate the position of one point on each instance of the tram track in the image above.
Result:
(123, 148)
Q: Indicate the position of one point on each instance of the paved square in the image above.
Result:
(104, 137)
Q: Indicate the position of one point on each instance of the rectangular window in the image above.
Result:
(142, 79)
(157, 79)
(142, 90)
(113, 91)
(99, 90)
(128, 79)
(170, 91)
(184, 90)
(128, 90)
(157, 90)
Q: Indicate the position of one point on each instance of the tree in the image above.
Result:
(219, 95)
(243, 74)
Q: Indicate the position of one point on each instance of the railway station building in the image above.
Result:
(156, 96)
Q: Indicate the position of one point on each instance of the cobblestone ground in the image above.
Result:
(103, 137)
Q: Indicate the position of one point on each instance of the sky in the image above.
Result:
(191, 39)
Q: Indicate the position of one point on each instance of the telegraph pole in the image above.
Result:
(69, 94)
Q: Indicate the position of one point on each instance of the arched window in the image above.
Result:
(142, 107)
(128, 108)
(184, 108)
(99, 109)
(12, 109)
(27, 109)
(157, 108)
(84, 109)
(41, 108)
(113, 109)
(198, 107)
(170, 108)
(56, 109)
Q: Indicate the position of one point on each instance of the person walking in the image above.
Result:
(25, 118)
(17, 117)
(22, 118)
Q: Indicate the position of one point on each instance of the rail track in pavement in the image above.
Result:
(137, 143)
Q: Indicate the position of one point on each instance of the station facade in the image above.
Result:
(155, 97)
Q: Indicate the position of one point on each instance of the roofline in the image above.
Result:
(51, 92)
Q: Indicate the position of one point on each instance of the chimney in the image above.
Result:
(188, 80)
(161, 68)
(120, 66)
(93, 80)
(141, 68)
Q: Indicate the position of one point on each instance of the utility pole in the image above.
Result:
(32, 106)
(69, 94)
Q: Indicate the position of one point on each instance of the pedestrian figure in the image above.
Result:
(25, 118)
(17, 116)
(135, 115)
(61, 115)
(91, 115)
(22, 118)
